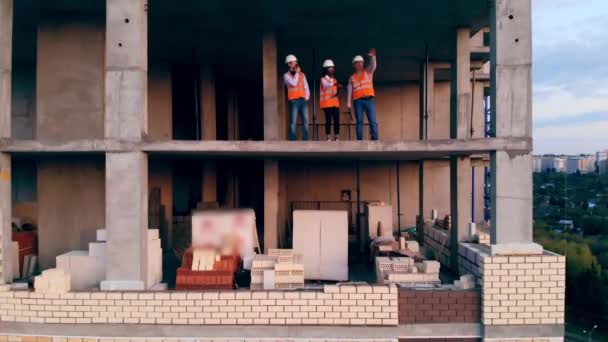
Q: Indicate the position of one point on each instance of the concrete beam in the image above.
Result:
(270, 87)
(126, 86)
(271, 204)
(6, 256)
(406, 150)
(6, 62)
(126, 221)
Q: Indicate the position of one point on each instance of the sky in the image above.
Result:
(570, 76)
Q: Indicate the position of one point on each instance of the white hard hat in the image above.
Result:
(328, 63)
(290, 58)
(357, 58)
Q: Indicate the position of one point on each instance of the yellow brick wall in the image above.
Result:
(518, 289)
(32, 338)
(334, 305)
(552, 339)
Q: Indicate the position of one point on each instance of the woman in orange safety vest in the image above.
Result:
(329, 101)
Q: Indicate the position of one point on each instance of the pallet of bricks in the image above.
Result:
(404, 271)
(204, 269)
(282, 268)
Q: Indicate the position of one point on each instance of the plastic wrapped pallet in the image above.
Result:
(217, 228)
(322, 238)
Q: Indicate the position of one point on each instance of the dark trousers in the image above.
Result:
(332, 114)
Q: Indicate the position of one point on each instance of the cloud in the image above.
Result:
(571, 139)
(553, 102)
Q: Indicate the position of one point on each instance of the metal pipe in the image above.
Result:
(314, 95)
(359, 228)
(426, 95)
(472, 194)
(472, 102)
(398, 201)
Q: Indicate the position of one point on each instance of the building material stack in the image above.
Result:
(279, 269)
(204, 269)
(155, 258)
(53, 280)
(403, 271)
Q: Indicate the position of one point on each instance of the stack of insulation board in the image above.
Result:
(53, 280)
(204, 269)
(403, 271)
(155, 259)
(283, 268)
(88, 268)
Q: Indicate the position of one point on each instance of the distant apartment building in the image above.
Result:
(601, 162)
(580, 164)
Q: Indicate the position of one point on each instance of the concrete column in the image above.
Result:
(460, 106)
(6, 273)
(207, 101)
(233, 116)
(209, 181)
(208, 129)
(460, 166)
(511, 96)
(271, 204)
(6, 61)
(126, 221)
(126, 115)
(270, 85)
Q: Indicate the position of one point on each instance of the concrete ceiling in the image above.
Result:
(228, 33)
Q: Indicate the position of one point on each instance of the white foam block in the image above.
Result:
(153, 234)
(101, 235)
(86, 271)
(268, 279)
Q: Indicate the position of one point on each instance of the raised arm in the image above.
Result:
(373, 63)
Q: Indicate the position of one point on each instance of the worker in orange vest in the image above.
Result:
(298, 94)
(329, 101)
(361, 94)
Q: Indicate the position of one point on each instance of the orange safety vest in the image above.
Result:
(363, 85)
(329, 96)
(298, 91)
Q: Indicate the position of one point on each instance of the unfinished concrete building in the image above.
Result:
(130, 114)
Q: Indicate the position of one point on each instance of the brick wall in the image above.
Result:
(439, 306)
(518, 290)
(334, 305)
(34, 338)
(438, 339)
(438, 241)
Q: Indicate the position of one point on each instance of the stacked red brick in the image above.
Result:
(220, 277)
(439, 306)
